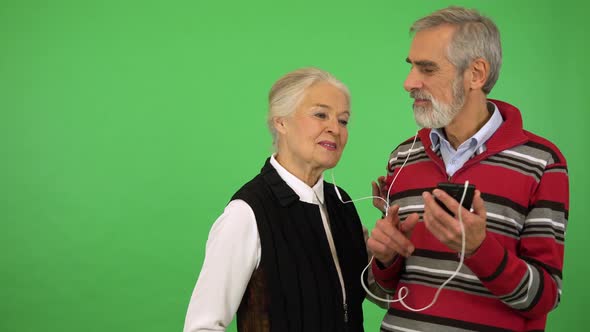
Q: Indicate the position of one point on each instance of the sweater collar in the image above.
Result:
(509, 134)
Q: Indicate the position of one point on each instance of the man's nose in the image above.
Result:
(413, 81)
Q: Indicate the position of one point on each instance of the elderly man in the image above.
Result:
(513, 237)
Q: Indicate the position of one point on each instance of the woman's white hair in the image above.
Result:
(476, 37)
(287, 93)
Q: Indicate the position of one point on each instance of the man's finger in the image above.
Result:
(392, 240)
(447, 200)
(392, 215)
(408, 225)
(378, 203)
(479, 207)
(376, 191)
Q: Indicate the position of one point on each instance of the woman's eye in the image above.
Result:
(343, 122)
(321, 115)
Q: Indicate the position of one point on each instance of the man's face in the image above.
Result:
(433, 82)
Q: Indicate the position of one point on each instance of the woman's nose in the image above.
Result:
(334, 126)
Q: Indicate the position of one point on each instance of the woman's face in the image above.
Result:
(312, 138)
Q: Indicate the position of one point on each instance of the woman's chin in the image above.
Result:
(330, 164)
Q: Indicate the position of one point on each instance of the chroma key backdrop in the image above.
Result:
(126, 126)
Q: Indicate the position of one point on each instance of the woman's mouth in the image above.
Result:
(331, 146)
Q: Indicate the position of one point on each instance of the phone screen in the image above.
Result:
(455, 190)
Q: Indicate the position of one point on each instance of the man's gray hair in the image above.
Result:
(476, 37)
(287, 93)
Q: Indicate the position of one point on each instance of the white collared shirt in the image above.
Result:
(229, 263)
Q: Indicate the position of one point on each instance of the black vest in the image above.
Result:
(296, 286)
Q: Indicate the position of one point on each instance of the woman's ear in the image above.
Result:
(280, 124)
(480, 71)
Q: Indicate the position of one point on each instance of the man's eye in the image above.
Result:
(428, 70)
(320, 115)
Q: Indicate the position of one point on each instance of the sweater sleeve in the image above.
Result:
(530, 279)
(387, 278)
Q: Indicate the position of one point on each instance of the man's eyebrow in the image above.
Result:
(422, 63)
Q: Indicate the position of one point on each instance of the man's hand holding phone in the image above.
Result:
(443, 221)
(456, 191)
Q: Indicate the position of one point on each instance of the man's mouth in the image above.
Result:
(421, 101)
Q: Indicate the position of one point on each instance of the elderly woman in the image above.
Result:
(287, 253)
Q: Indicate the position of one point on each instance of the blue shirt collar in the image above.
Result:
(478, 140)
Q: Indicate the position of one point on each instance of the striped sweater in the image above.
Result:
(514, 279)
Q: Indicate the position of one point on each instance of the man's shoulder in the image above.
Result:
(417, 141)
(540, 143)
(535, 145)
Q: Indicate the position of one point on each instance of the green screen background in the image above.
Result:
(126, 126)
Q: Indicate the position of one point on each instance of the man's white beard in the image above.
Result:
(438, 115)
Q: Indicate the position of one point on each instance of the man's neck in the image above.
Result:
(469, 121)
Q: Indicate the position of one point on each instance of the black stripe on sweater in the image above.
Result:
(550, 269)
(413, 158)
(410, 193)
(540, 289)
(553, 205)
(559, 236)
(520, 291)
(421, 317)
(448, 256)
(453, 284)
(526, 164)
(504, 201)
(504, 162)
(544, 148)
(499, 270)
(556, 167)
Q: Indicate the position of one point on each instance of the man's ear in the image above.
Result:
(280, 124)
(479, 73)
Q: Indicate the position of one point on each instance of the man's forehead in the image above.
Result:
(429, 46)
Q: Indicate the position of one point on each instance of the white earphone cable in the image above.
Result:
(404, 291)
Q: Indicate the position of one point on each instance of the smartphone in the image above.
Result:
(455, 190)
